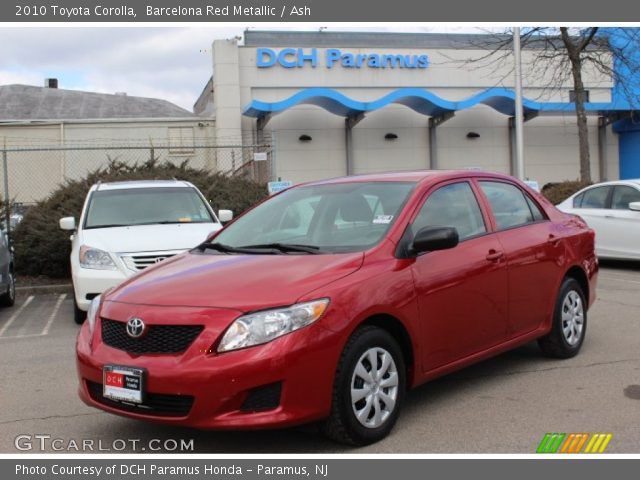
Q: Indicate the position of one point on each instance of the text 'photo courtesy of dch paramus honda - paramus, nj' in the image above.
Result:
(329, 301)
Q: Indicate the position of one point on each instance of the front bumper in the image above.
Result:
(87, 281)
(302, 363)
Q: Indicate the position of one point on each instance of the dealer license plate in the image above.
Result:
(123, 383)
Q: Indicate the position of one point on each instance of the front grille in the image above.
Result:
(159, 338)
(266, 397)
(140, 262)
(154, 403)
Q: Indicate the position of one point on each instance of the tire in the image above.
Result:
(569, 322)
(8, 298)
(374, 424)
(79, 316)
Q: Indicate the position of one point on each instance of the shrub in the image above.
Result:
(41, 248)
(558, 192)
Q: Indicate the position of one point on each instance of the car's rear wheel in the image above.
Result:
(369, 388)
(569, 322)
(8, 298)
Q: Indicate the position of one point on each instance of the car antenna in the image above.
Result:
(98, 185)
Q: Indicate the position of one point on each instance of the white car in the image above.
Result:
(612, 209)
(127, 226)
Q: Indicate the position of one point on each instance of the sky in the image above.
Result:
(171, 63)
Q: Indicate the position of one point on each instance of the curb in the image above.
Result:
(44, 289)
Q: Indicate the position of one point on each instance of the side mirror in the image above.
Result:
(68, 223)
(429, 239)
(635, 206)
(225, 216)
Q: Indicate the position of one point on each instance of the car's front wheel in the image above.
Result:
(79, 316)
(8, 298)
(569, 322)
(369, 388)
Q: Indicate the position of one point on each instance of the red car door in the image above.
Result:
(462, 292)
(532, 247)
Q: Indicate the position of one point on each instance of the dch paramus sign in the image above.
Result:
(333, 57)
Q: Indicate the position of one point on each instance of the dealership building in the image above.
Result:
(337, 103)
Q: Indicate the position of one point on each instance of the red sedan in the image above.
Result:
(331, 299)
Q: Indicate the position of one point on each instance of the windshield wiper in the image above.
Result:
(108, 225)
(287, 247)
(221, 247)
(167, 222)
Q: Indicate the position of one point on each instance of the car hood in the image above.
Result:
(240, 282)
(148, 238)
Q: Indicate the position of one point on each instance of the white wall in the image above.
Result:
(551, 144)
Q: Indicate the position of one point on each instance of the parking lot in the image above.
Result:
(505, 404)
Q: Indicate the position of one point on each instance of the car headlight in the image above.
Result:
(92, 314)
(95, 258)
(262, 327)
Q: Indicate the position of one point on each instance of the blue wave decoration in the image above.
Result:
(418, 99)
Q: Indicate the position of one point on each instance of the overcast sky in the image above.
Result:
(172, 63)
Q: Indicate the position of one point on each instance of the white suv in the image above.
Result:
(127, 226)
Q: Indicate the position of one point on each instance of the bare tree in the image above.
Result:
(561, 55)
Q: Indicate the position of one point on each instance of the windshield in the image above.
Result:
(344, 217)
(146, 206)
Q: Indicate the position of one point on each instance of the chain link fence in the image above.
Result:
(30, 173)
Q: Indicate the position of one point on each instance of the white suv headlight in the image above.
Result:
(95, 258)
(262, 327)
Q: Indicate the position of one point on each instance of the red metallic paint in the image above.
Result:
(456, 306)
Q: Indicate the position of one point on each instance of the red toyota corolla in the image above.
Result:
(330, 300)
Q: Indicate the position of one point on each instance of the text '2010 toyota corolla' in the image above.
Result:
(328, 301)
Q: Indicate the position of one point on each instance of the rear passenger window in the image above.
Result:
(454, 205)
(623, 196)
(509, 204)
(595, 197)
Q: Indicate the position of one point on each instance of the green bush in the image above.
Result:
(558, 192)
(41, 248)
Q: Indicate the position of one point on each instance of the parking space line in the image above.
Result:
(619, 279)
(52, 317)
(26, 335)
(16, 314)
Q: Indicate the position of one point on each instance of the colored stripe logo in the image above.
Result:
(574, 443)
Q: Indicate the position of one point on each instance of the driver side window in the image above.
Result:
(454, 205)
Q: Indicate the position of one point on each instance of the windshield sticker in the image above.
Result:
(383, 219)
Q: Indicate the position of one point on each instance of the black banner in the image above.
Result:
(316, 11)
(371, 469)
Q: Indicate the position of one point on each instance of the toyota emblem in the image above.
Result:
(135, 327)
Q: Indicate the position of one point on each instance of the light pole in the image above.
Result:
(519, 117)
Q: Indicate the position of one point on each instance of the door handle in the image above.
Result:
(553, 239)
(609, 216)
(494, 256)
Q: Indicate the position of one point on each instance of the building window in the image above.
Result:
(181, 140)
(572, 96)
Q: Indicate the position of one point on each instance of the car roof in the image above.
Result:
(630, 181)
(140, 184)
(634, 181)
(413, 176)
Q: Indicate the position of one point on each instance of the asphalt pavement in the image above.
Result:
(503, 405)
